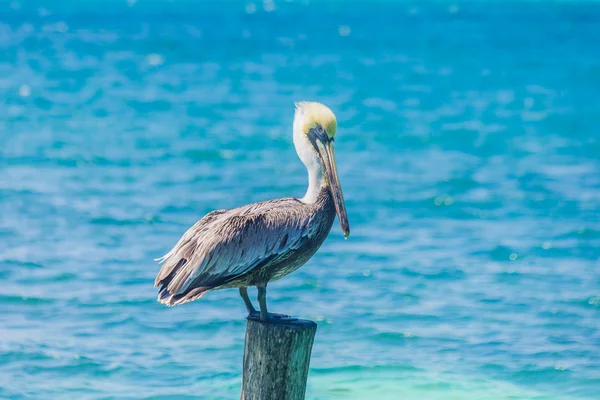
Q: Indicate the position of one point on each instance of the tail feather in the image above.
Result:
(165, 297)
(166, 275)
(168, 293)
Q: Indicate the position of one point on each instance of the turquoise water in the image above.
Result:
(468, 150)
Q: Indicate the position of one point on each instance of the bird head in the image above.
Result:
(311, 115)
(315, 127)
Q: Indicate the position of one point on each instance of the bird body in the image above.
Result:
(242, 240)
(261, 242)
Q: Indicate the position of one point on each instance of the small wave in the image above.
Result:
(8, 299)
(444, 274)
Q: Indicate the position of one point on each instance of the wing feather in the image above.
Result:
(226, 244)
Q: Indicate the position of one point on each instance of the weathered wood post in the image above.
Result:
(276, 359)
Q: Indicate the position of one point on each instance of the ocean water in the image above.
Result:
(468, 150)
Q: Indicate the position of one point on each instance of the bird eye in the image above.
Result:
(318, 132)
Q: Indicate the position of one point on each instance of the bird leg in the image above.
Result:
(247, 302)
(264, 315)
(262, 301)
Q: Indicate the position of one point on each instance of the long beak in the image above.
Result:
(326, 150)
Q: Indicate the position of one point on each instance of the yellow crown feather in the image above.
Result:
(316, 113)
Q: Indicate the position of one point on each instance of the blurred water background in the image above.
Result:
(468, 150)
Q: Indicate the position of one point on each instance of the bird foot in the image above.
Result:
(272, 317)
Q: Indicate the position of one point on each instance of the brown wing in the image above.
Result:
(226, 244)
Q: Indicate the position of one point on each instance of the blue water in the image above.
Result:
(468, 150)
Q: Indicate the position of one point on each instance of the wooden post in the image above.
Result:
(276, 359)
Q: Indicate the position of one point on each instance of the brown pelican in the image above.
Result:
(258, 243)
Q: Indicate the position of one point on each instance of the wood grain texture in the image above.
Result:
(276, 359)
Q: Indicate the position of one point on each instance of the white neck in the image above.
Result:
(316, 182)
(313, 163)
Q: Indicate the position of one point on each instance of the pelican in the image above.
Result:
(258, 243)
